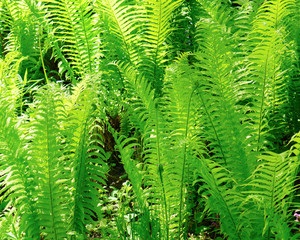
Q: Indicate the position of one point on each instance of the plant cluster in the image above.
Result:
(195, 104)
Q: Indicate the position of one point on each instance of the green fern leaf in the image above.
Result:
(85, 155)
(46, 161)
(159, 14)
(74, 29)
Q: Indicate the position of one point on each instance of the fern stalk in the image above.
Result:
(184, 161)
(213, 127)
(41, 56)
(49, 181)
(262, 102)
(160, 170)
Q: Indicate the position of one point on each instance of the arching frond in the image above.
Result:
(122, 20)
(46, 160)
(159, 14)
(148, 115)
(85, 156)
(273, 184)
(15, 186)
(76, 33)
(181, 114)
(220, 92)
(268, 71)
(25, 18)
(223, 200)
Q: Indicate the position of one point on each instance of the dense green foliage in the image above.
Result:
(193, 105)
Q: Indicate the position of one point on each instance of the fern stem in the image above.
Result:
(50, 177)
(86, 38)
(272, 196)
(160, 169)
(157, 48)
(262, 102)
(183, 164)
(41, 56)
(213, 126)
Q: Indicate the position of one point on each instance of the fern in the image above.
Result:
(46, 161)
(16, 187)
(150, 121)
(145, 227)
(25, 18)
(182, 38)
(86, 156)
(215, 121)
(75, 31)
(266, 69)
(156, 120)
(223, 201)
(220, 94)
(182, 116)
(122, 21)
(274, 183)
(158, 28)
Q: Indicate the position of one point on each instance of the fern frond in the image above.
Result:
(183, 26)
(85, 155)
(273, 182)
(222, 199)
(14, 173)
(268, 71)
(220, 94)
(122, 20)
(64, 66)
(126, 148)
(46, 161)
(296, 146)
(25, 21)
(158, 18)
(218, 10)
(9, 78)
(74, 28)
(181, 112)
(151, 124)
(15, 186)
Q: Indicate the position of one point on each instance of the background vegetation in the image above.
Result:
(149, 119)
